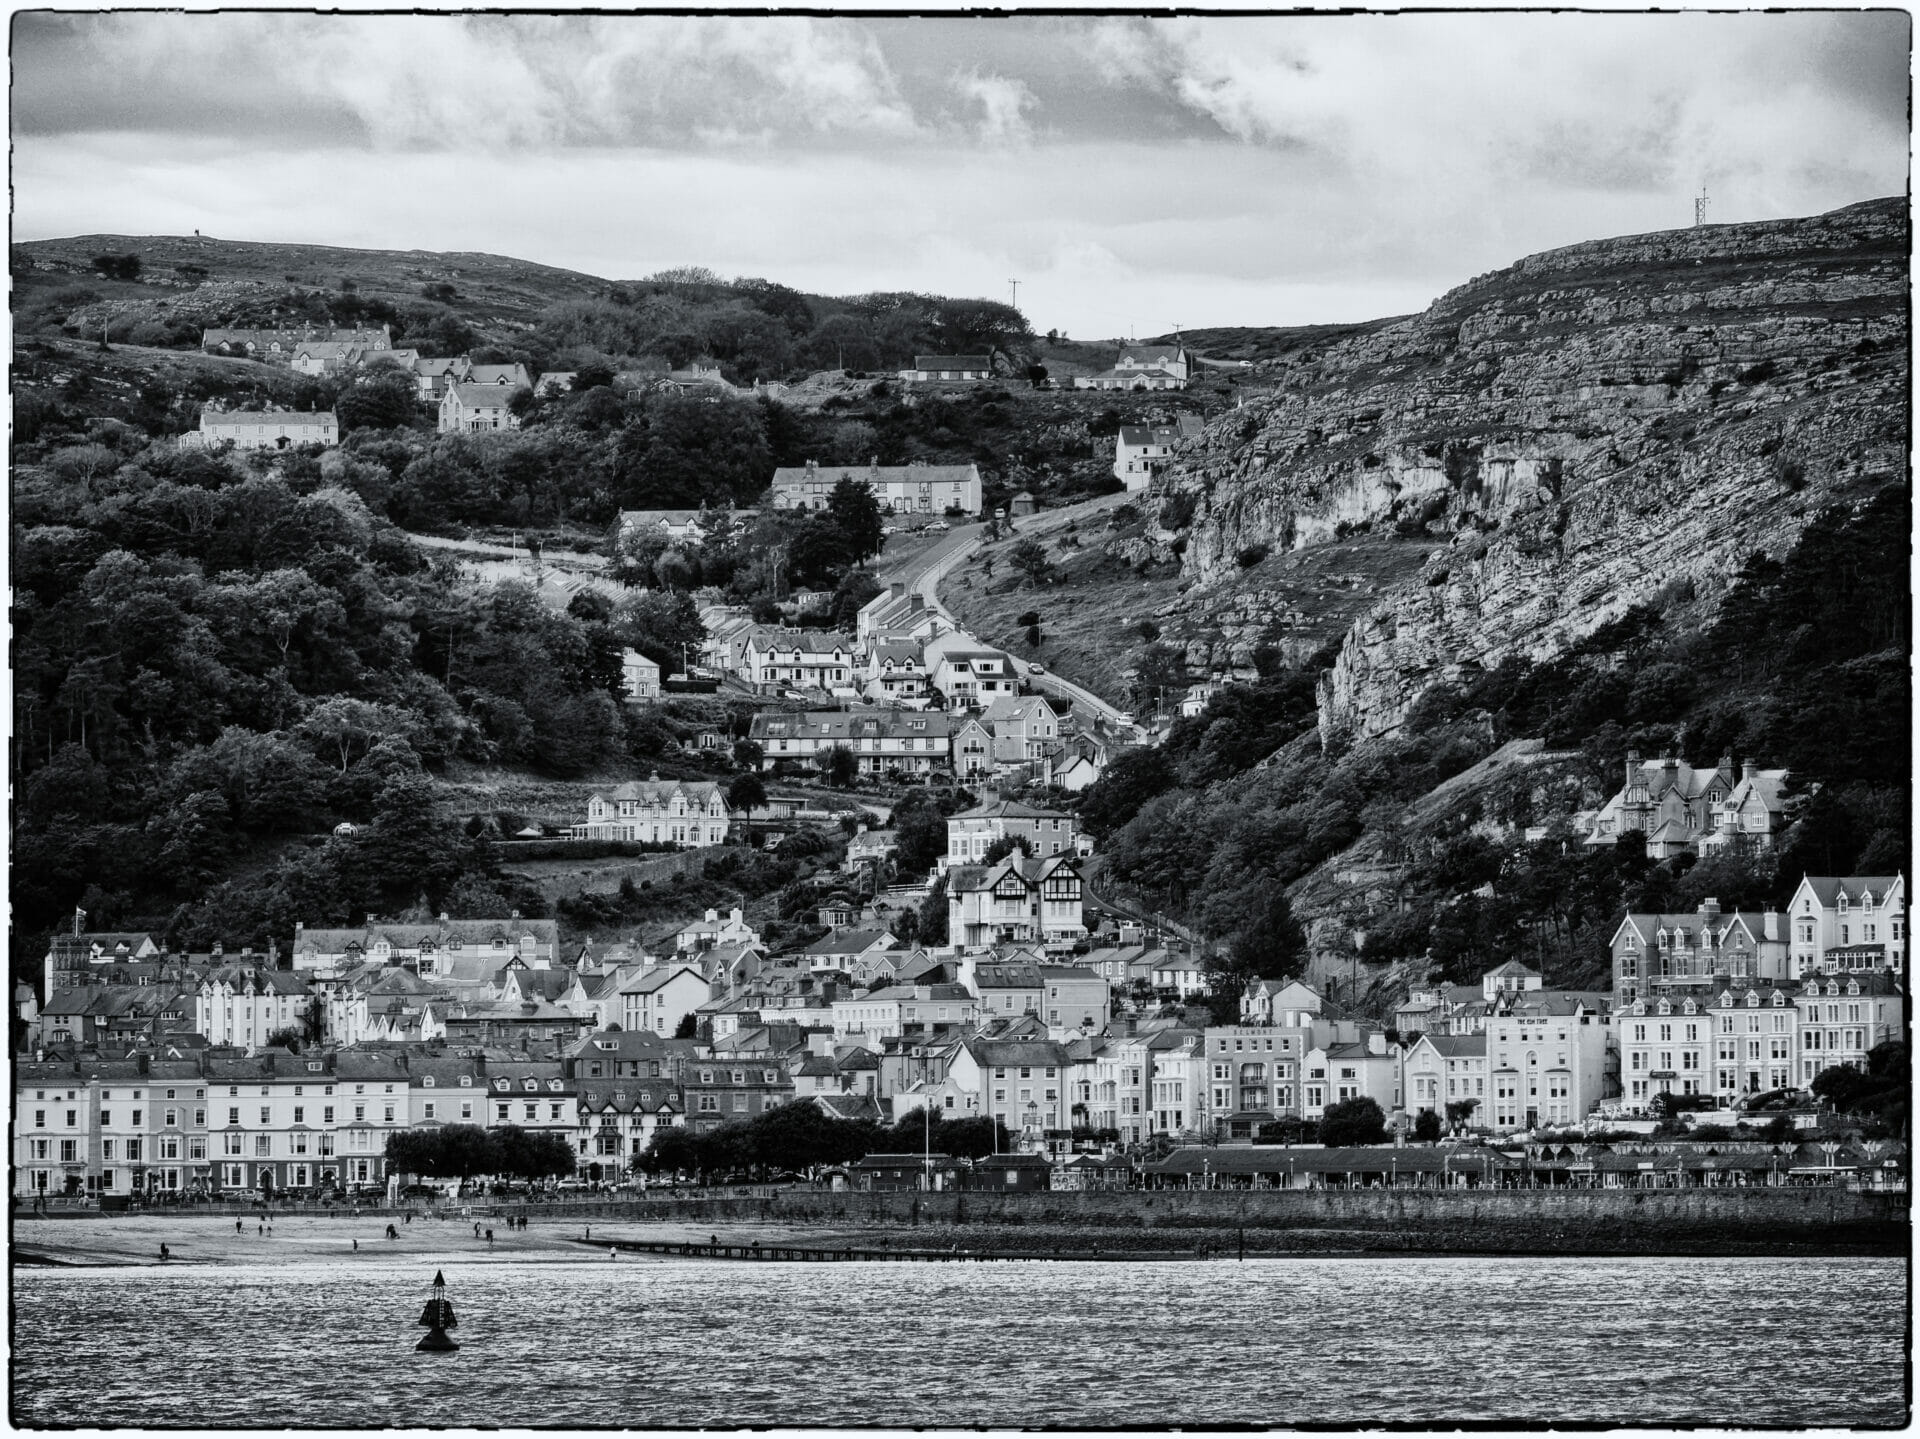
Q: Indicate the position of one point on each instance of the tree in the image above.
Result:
(1426, 1127)
(842, 767)
(537, 1155)
(1004, 846)
(746, 793)
(1030, 558)
(748, 753)
(857, 514)
(1460, 1113)
(664, 627)
(1353, 1121)
(688, 1027)
(933, 913)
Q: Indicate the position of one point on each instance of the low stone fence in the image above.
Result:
(1464, 1221)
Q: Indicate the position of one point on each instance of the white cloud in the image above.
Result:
(1002, 104)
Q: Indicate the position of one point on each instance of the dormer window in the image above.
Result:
(1753, 1000)
(1842, 906)
(427, 1082)
(466, 1081)
(500, 1084)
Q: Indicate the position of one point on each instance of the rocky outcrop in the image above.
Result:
(1596, 427)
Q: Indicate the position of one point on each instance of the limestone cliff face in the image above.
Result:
(1585, 431)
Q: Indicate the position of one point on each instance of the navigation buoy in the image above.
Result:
(438, 1318)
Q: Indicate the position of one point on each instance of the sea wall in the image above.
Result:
(1458, 1221)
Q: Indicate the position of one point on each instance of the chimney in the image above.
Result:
(1633, 765)
(813, 466)
(369, 921)
(1770, 925)
(1746, 770)
(897, 589)
(515, 914)
(1708, 907)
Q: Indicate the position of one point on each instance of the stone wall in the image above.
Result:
(1456, 1221)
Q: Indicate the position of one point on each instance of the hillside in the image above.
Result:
(1586, 428)
(1641, 495)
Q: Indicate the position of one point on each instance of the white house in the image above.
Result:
(691, 814)
(1015, 901)
(818, 659)
(904, 489)
(1141, 451)
(1855, 923)
(1143, 367)
(972, 832)
(467, 406)
(657, 999)
(269, 429)
(640, 675)
(909, 741)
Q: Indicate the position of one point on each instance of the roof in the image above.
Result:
(1305, 1159)
(661, 791)
(793, 476)
(849, 941)
(952, 362)
(849, 725)
(268, 417)
(659, 977)
(1455, 1046)
(479, 396)
(1154, 354)
(1008, 809)
(1827, 889)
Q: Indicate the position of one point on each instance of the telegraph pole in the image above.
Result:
(1016, 293)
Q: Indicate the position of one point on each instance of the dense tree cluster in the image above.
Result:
(800, 1138)
(464, 1151)
(220, 658)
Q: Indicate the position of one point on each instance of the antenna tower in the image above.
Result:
(1700, 208)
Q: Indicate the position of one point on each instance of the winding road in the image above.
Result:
(923, 574)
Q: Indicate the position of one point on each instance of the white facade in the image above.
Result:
(269, 429)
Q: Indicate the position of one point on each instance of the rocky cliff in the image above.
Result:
(1615, 423)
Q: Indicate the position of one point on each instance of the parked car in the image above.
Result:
(940, 525)
(1036, 669)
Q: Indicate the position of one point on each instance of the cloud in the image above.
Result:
(1002, 103)
(412, 82)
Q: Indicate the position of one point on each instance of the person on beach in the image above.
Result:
(260, 1228)
(489, 1239)
(236, 1227)
(356, 1246)
(165, 1254)
(476, 1229)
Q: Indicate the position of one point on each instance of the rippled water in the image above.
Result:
(699, 1342)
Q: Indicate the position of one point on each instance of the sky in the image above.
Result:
(1133, 175)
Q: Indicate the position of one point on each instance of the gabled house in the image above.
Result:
(467, 407)
(1679, 808)
(1846, 925)
(781, 658)
(1018, 900)
(1141, 451)
(949, 369)
(1024, 728)
(658, 999)
(1673, 954)
(690, 814)
(1143, 367)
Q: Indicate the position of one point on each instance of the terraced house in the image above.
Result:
(905, 741)
(719, 1091)
(809, 659)
(691, 814)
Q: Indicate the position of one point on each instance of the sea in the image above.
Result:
(1273, 1342)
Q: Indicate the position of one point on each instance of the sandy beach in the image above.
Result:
(124, 1240)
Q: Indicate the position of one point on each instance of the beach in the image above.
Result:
(210, 1239)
